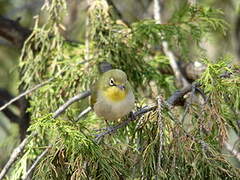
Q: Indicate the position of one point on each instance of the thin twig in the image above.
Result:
(70, 101)
(188, 104)
(25, 176)
(177, 97)
(115, 128)
(84, 112)
(232, 150)
(160, 105)
(158, 8)
(25, 93)
(15, 154)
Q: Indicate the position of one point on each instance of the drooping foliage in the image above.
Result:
(169, 143)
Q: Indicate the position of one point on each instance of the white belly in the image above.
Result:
(113, 110)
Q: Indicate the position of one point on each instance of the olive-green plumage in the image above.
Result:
(112, 96)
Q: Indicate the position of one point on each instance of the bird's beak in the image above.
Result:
(122, 87)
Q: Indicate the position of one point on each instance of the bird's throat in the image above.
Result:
(115, 94)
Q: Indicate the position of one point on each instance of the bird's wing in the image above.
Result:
(104, 67)
(93, 98)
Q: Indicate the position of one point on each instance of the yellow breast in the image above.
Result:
(115, 94)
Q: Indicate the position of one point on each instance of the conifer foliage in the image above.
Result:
(168, 141)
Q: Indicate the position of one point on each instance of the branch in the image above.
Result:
(133, 117)
(160, 104)
(158, 6)
(233, 151)
(84, 112)
(177, 97)
(172, 101)
(70, 101)
(25, 176)
(15, 154)
(13, 31)
(6, 96)
(21, 119)
(25, 93)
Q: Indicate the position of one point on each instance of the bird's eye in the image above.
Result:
(111, 82)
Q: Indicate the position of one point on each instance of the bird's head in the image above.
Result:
(114, 85)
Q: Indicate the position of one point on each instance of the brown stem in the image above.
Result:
(13, 31)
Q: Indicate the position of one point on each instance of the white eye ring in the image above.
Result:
(111, 82)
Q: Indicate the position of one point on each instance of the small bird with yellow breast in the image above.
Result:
(112, 96)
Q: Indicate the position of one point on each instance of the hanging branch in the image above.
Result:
(158, 8)
(59, 111)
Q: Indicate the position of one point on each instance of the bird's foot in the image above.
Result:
(132, 116)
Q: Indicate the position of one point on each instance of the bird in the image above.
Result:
(112, 96)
